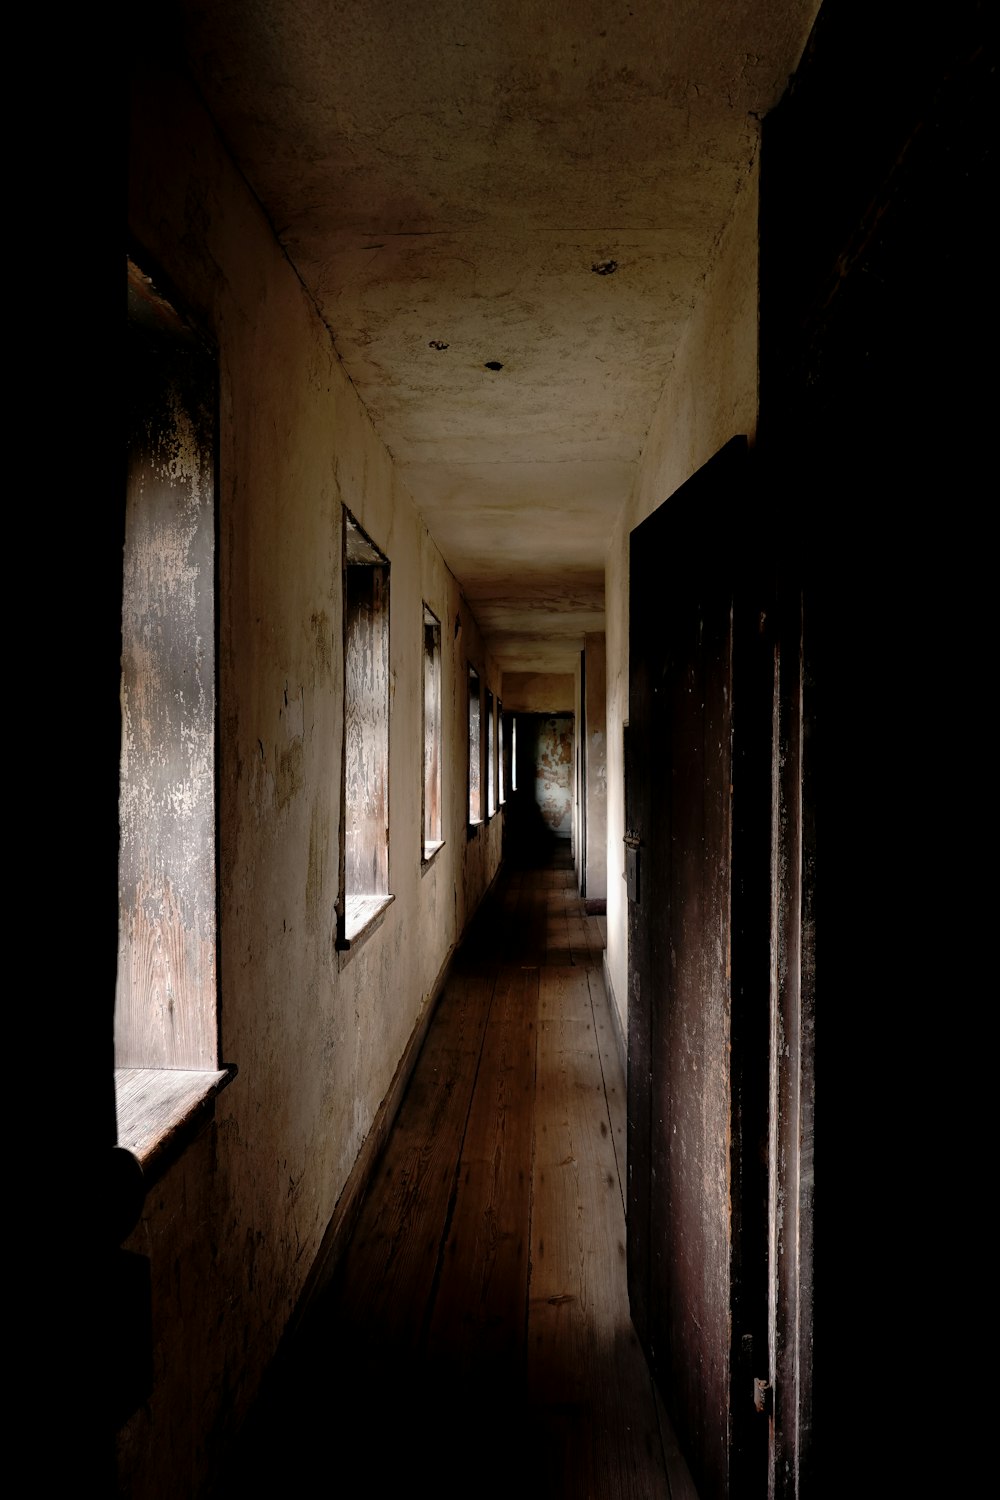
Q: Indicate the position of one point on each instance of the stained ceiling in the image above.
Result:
(504, 213)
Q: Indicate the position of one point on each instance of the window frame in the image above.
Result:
(491, 754)
(166, 1041)
(431, 811)
(364, 877)
(474, 801)
(513, 752)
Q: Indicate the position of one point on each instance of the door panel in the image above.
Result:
(701, 697)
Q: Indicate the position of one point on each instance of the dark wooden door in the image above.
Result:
(698, 857)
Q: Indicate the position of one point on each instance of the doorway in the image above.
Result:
(704, 638)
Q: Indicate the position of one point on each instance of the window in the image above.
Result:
(491, 755)
(165, 1020)
(364, 820)
(475, 750)
(501, 768)
(513, 753)
(432, 734)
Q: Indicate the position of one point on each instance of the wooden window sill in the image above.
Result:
(361, 915)
(430, 849)
(161, 1110)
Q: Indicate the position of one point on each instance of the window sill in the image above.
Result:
(361, 914)
(430, 849)
(161, 1110)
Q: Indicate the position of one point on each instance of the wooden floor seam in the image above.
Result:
(476, 1334)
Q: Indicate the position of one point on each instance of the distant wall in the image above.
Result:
(552, 758)
(538, 692)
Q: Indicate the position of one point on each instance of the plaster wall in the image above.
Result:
(539, 692)
(552, 757)
(233, 1229)
(711, 396)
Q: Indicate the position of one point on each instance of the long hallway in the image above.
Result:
(475, 1340)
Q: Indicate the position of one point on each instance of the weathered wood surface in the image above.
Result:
(481, 1297)
(154, 1106)
(685, 1257)
(587, 1377)
(476, 1338)
(386, 1281)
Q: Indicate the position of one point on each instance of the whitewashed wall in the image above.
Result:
(711, 396)
(233, 1229)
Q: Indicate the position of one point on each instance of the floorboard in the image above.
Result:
(476, 1339)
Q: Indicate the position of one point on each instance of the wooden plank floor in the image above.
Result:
(476, 1341)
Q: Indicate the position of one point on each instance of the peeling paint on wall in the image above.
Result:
(554, 774)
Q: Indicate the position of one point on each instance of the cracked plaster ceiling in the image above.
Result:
(537, 186)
